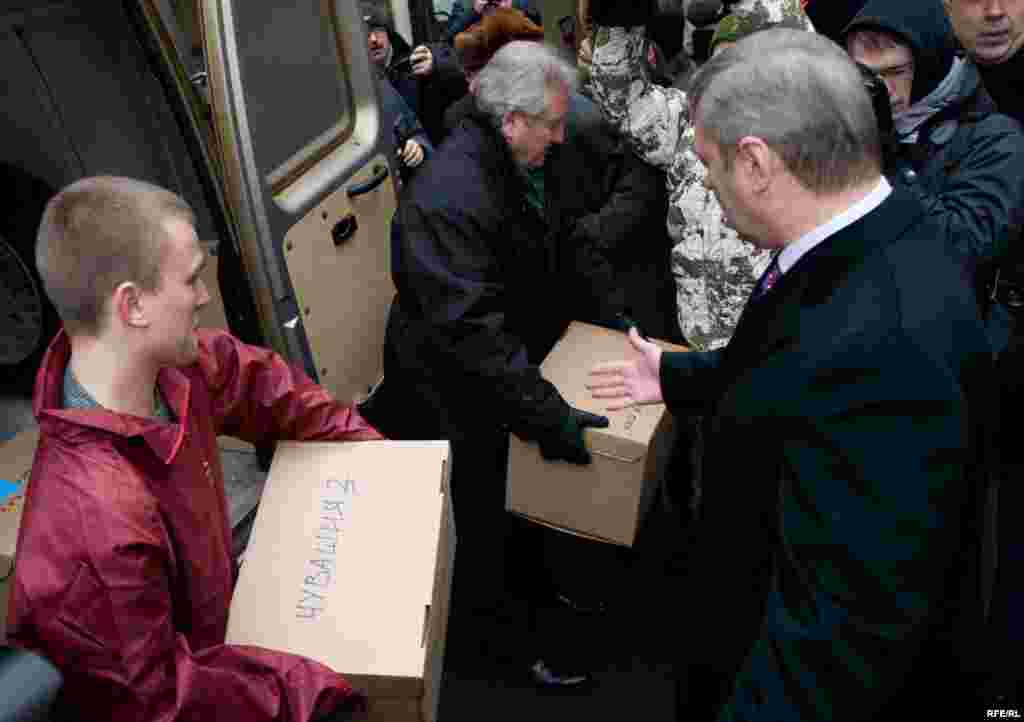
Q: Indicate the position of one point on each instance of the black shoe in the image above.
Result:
(592, 607)
(548, 678)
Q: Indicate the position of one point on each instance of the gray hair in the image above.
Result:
(800, 93)
(517, 79)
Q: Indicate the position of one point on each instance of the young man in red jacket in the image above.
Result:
(124, 573)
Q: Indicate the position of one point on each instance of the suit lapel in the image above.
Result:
(774, 321)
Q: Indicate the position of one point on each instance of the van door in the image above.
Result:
(310, 187)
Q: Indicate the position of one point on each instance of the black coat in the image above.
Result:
(606, 210)
(839, 530)
(486, 285)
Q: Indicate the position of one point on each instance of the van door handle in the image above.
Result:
(380, 172)
(344, 229)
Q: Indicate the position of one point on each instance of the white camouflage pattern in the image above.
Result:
(715, 270)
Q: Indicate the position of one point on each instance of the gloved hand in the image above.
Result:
(566, 440)
(621, 13)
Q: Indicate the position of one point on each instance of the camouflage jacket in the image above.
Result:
(715, 270)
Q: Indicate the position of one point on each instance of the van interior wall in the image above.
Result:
(78, 99)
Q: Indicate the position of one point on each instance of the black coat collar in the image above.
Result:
(774, 321)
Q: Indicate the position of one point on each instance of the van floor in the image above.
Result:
(633, 673)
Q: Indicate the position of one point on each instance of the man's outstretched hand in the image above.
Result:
(628, 383)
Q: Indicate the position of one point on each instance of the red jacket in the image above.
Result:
(123, 573)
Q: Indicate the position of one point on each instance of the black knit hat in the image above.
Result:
(376, 16)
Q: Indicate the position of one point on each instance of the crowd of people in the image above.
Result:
(822, 200)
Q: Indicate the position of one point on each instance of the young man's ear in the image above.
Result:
(129, 306)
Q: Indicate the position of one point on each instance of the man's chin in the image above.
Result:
(997, 53)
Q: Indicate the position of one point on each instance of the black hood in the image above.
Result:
(920, 24)
(402, 48)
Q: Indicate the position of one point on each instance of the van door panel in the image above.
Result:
(342, 274)
(296, 110)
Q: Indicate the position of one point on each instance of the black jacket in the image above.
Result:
(967, 164)
(605, 209)
(1003, 82)
(486, 285)
(839, 524)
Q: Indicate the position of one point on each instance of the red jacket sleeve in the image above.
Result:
(258, 396)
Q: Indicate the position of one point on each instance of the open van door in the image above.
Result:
(296, 118)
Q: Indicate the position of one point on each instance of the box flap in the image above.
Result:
(15, 464)
(342, 559)
(567, 366)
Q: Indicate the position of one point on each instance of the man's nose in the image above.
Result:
(994, 10)
(559, 134)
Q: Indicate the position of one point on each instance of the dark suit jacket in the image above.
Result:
(839, 468)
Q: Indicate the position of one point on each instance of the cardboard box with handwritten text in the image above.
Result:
(350, 564)
(607, 499)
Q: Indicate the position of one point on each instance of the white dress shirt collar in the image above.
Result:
(792, 252)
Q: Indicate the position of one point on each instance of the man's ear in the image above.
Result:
(129, 305)
(510, 124)
(758, 162)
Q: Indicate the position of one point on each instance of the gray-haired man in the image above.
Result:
(478, 303)
(840, 413)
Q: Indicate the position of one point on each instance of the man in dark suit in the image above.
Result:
(837, 549)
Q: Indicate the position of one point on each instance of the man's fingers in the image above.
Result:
(417, 155)
(617, 391)
(609, 367)
(606, 383)
(638, 341)
(412, 154)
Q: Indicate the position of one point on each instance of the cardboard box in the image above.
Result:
(350, 564)
(15, 463)
(607, 499)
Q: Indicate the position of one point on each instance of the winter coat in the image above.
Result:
(123, 573)
(967, 163)
(463, 15)
(486, 285)
(439, 90)
(715, 269)
(840, 518)
(398, 121)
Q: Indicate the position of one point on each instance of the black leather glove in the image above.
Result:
(621, 13)
(566, 440)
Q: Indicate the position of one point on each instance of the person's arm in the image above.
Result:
(257, 396)
(449, 274)
(105, 614)
(654, 119)
(438, 63)
(680, 379)
(604, 237)
(975, 206)
(462, 16)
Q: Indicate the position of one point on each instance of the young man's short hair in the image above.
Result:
(98, 233)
